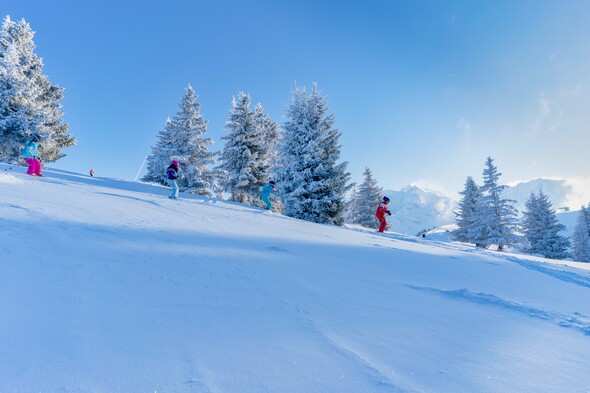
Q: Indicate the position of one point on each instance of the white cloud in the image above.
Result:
(553, 58)
(435, 186)
(543, 111)
(580, 194)
(577, 190)
(464, 125)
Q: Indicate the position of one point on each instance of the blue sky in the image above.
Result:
(422, 91)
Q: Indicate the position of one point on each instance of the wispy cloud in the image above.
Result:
(544, 107)
(580, 194)
(464, 125)
(577, 190)
(434, 185)
(453, 19)
(555, 61)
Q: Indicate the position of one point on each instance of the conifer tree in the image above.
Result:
(161, 154)
(364, 202)
(268, 133)
(247, 156)
(531, 222)
(311, 183)
(29, 103)
(541, 228)
(182, 139)
(193, 153)
(469, 213)
(497, 217)
(238, 156)
(581, 237)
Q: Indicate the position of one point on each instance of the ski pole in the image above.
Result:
(140, 168)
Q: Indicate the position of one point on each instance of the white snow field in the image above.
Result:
(109, 286)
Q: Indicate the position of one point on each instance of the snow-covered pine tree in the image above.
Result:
(350, 211)
(541, 228)
(247, 156)
(19, 67)
(54, 127)
(182, 140)
(364, 201)
(197, 176)
(161, 154)
(238, 157)
(581, 236)
(531, 223)
(497, 218)
(268, 133)
(468, 214)
(311, 182)
(29, 103)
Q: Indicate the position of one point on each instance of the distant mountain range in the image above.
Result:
(558, 191)
(415, 209)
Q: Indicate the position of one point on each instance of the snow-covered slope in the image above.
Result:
(108, 286)
(415, 209)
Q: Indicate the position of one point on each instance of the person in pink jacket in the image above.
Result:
(381, 212)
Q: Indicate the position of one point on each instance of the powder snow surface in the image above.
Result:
(109, 286)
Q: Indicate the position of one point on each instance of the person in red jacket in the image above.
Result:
(381, 212)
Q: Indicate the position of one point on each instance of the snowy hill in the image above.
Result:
(109, 286)
(415, 209)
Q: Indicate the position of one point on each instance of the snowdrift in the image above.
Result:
(109, 286)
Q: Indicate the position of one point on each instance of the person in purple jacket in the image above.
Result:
(171, 176)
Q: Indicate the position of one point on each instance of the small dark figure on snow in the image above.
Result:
(92, 172)
(381, 212)
(171, 176)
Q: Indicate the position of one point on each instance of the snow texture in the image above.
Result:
(109, 286)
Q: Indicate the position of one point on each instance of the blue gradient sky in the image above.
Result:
(422, 91)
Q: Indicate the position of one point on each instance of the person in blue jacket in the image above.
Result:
(267, 190)
(31, 155)
(171, 176)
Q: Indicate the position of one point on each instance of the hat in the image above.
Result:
(175, 163)
(35, 137)
(271, 182)
(385, 199)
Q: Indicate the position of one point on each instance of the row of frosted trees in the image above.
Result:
(485, 218)
(29, 102)
(302, 156)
